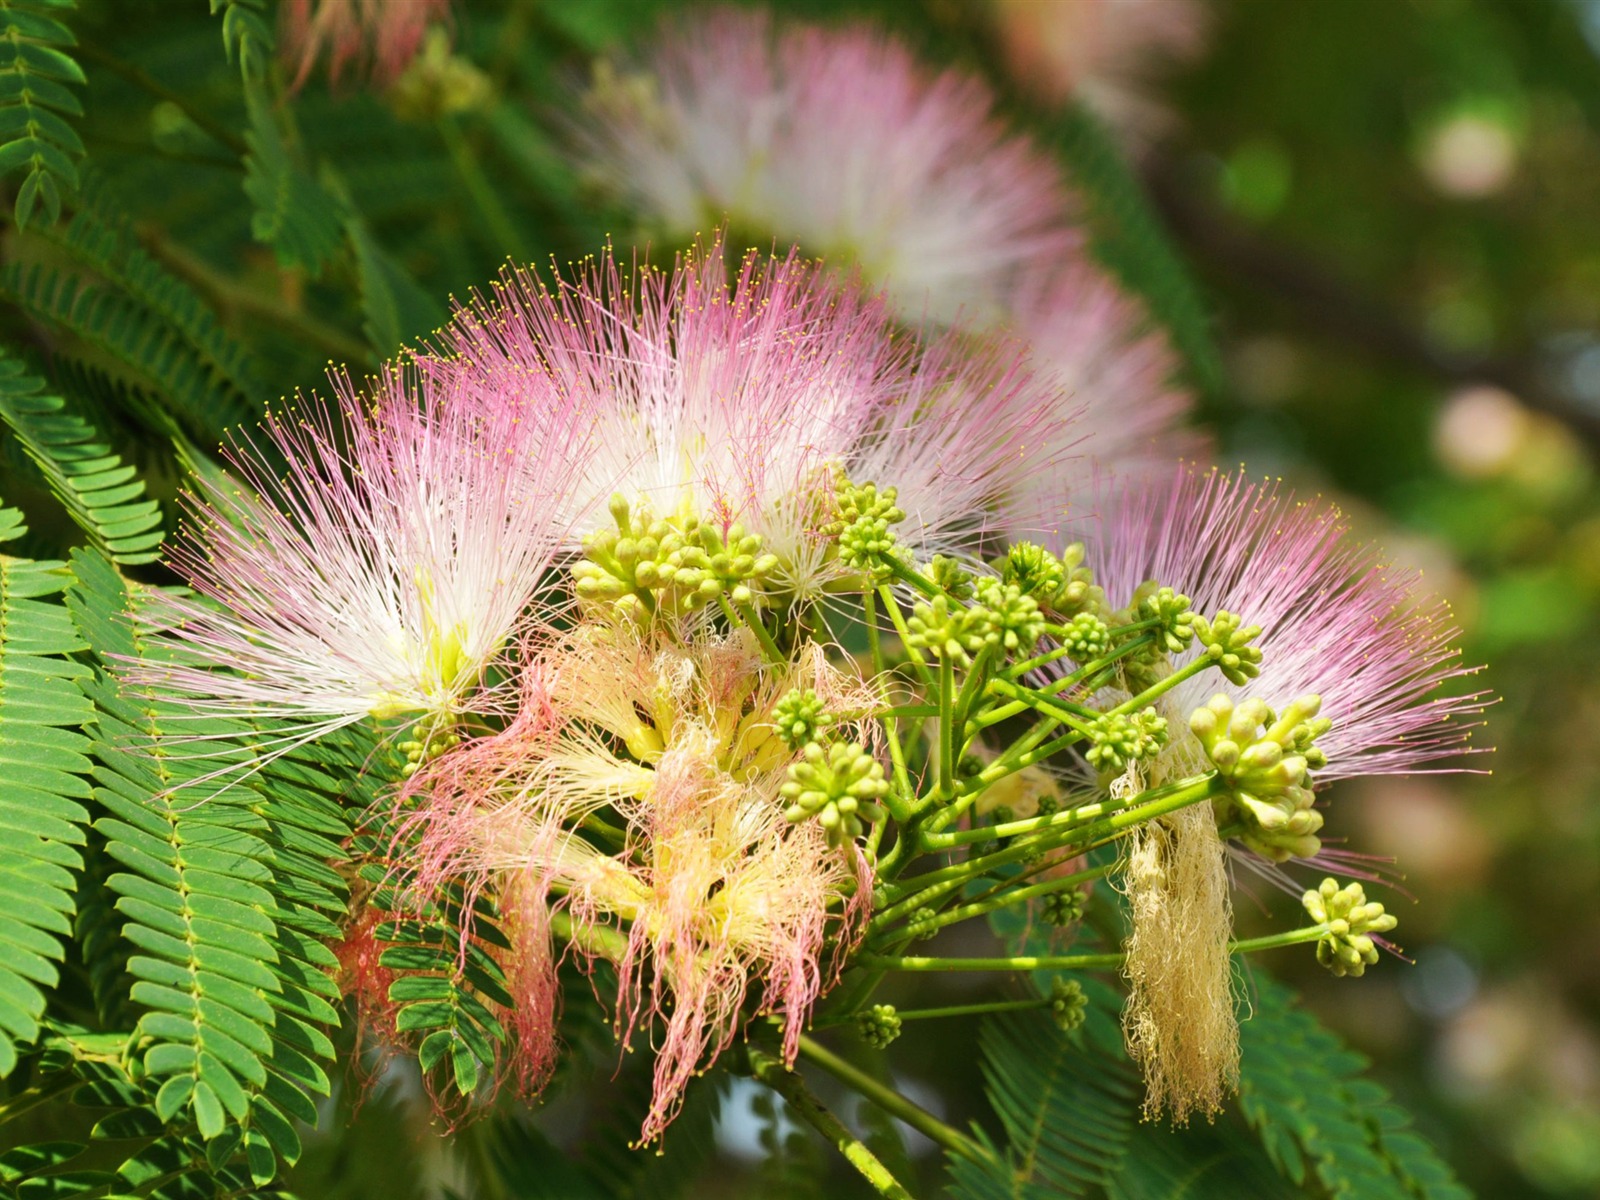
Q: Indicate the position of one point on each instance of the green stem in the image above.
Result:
(973, 1010)
(1209, 785)
(1295, 937)
(947, 728)
(891, 1101)
(1005, 896)
(1019, 962)
(802, 1103)
(913, 655)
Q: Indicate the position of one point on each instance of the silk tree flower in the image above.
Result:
(1103, 52)
(716, 896)
(835, 139)
(395, 555)
(1119, 372)
(736, 400)
(1337, 621)
(376, 36)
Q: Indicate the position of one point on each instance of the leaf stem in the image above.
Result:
(771, 1071)
(891, 1101)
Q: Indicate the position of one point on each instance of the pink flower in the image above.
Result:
(1116, 369)
(1337, 620)
(737, 400)
(380, 36)
(707, 897)
(840, 141)
(1104, 52)
(397, 552)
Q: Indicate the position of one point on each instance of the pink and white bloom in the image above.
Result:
(838, 140)
(1118, 370)
(712, 897)
(398, 551)
(379, 37)
(737, 400)
(1337, 620)
(1103, 52)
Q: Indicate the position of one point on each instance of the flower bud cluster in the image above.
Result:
(1175, 620)
(1064, 907)
(878, 1025)
(950, 631)
(1062, 585)
(840, 784)
(1347, 948)
(1225, 641)
(1117, 739)
(1265, 760)
(679, 564)
(1087, 637)
(861, 526)
(951, 578)
(798, 716)
(429, 738)
(1018, 623)
(1068, 1004)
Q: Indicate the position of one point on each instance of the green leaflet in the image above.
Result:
(1302, 1090)
(227, 897)
(36, 141)
(104, 496)
(294, 214)
(43, 760)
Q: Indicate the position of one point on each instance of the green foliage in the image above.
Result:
(104, 496)
(1067, 1108)
(246, 35)
(294, 214)
(227, 898)
(1320, 1121)
(1216, 1161)
(43, 759)
(35, 139)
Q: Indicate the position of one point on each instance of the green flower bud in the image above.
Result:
(879, 1025)
(955, 633)
(1227, 643)
(1068, 1005)
(1033, 569)
(798, 716)
(923, 924)
(1118, 739)
(1265, 760)
(1018, 623)
(1064, 907)
(1347, 948)
(952, 578)
(1172, 610)
(1087, 637)
(839, 784)
(861, 526)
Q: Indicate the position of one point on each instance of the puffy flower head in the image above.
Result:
(839, 140)
(1118, 371)
(377, 552)
(734, 397)
(1337, 621)
(380, 36)
(719, 898)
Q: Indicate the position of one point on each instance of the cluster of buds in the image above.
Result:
(1068, 1004)
(1226, 642)
(951, 578)
(676, 564)
(1061, 584)
(1174, 629)
(799, 716)
(1087, 637)
(1347, 946)
(1265, 760)
(862, 522)
(1117, 739)
(878, 1025)
(1018, 623)
(1065, 907)
(950, 631)
(840, 784)
(430, 737)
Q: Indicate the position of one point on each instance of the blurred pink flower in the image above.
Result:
(1104, 52)
(838, 140)
(379, 37)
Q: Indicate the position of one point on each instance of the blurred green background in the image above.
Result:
(1394, 208)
